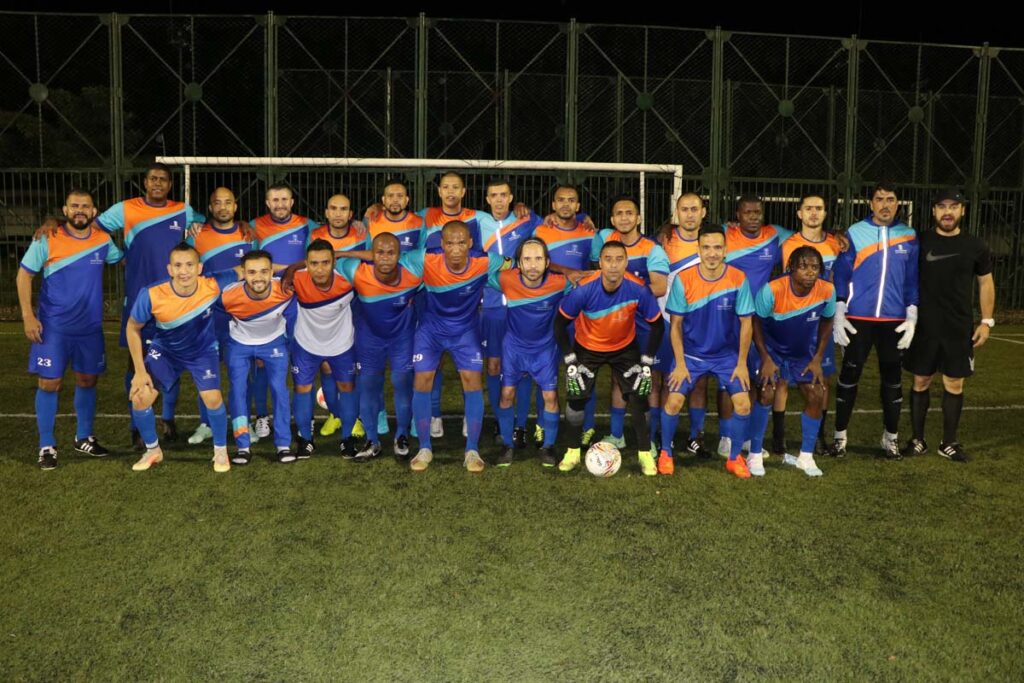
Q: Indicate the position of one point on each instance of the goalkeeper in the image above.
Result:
(605, 307)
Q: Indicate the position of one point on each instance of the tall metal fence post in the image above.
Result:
(714, 174)
(116, 106)
(420, 135)
(978, 188)
(572, 74)
(270, 86)
(853, 46)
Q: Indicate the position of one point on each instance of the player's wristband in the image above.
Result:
(646, 360)
(569, 359)
(991, 322)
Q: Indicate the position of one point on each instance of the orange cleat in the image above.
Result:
(666, 465)
(738, 467)
(151, 457)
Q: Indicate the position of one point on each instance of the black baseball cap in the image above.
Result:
(949, 194)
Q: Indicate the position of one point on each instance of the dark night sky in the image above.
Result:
(870, 20)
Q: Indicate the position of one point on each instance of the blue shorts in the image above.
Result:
(540, 364)
(372, 352)
(492, 330)
(722, 368)
(790, 369)
(50, 359)
(665, 355)
(165, 368)
(429, 346)
(306, 365)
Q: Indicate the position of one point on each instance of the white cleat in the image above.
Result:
(422, 460)
(755, 463)
(436, 428)
(804, 462)
(262, 427)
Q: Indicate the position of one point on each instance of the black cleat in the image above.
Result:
(242, 457)
(170, 430)
(91, 446)
(547, 457)
(696, 447)
(285, 455)
(369, 451)
(137, 443)
(838, 448)
(954, 451)
(519, 438)
(402, 448)
(348, 448)
(891, 450)
(508, 454)
(304, 449)
(915, 447)
(47, 458)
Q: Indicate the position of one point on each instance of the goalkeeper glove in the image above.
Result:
(641, 375)
(841, 327)
(576, 376)
(907, 329)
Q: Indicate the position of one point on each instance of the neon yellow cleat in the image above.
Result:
(570, 460)
(358, 431)
(647, 465)
(331, 425)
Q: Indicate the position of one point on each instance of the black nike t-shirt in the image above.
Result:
(949, 267)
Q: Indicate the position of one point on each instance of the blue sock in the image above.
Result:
(259, 388)
(739, 426)
(348, 405)
(204, 416)
(303, 411)
(808, 432)
(370, 403)
(538, 404)
(46, 416)
(435, 394)
(494, 392)
(219, 424)
(589, 412)
(170, 403)
(85, 411)
(758, 423)
(421, 413)
(330, 390)
(668, 430)
(523, 390)
(402, 384)
(550, 425)
(145, 422)
(696, 421)
(505, 419)
(725, 428)
(654, 420)
(474, 401)
(618, 421)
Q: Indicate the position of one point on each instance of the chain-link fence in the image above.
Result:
(89, 99)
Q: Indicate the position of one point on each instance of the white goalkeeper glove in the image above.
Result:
(576, 376)
(841, 327)
(641, 375)
(907, 329)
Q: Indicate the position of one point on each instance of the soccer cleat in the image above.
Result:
(151, 457)
(348, 448)
(369, 451)
(47, 458)
(382, 423)
(330, 425)
(508, 454)
(915, 447)
(519, 438)
(547, 457)
(647, 465)
(402, 447)
(953, 451)
(90, 446)
(587, 437)
(262, 426)
(538, 436)
(436, 428)
(242, 457)
(137, 443)
(696, 447)
(285, 455)
(755, 464)
(570, 460)
(617, 441)
(838, 448)
(806, 463)
(358, 430)
(890, 449)
(738, 467)
(473, 462)
(422, 460)
(170, 430)
(202, 433)
(303, 450)
(666, 465)
(221, 463)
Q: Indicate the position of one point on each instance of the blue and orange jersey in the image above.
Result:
(606, 321)
(435, 218)
(184, 324)
(503, 238)
(350, 242)
(323, 324)
(255, 321)
(790, 322)
(408, 229)
(877, 275)
(150, 232)
(285, 240)
(451, 298)
(385, 308)
(220, 249)
(531, 310)
(645, 255)
(711, 311)
(681, 252)
(757, 255)
(828, 248)
(71, 296)
(569, 248)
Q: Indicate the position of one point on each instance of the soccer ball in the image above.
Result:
(603, 459)
(320, 401)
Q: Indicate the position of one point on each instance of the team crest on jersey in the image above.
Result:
(573, 250)
(96, 259)
(724, 303)
(276, 353)
(813, 317)
(766, 254)
(902, 250)
(154, 354)
(295, 239)
(406, 241)
(240, 253)
(174, 225)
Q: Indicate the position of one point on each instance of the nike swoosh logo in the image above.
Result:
(932, 257)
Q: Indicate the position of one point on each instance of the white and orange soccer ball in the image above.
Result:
(603, 459)
(320, 398)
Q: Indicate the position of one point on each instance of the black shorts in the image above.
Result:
(880, 334)
(619, 361)
(952, 356)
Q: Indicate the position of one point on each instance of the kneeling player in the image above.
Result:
(184, 340)
(710, 307)
(792, 330)
(605, 306)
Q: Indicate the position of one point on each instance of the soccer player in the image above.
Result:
(451, 188)
(791, 332)
(876, 306)
(710, 308)
(396, 218)
(950, 261)
(529, 350)
(255, 308)
(605, 307)
(221, 242)
(69, 328)
(648, 263)
(181, 309)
